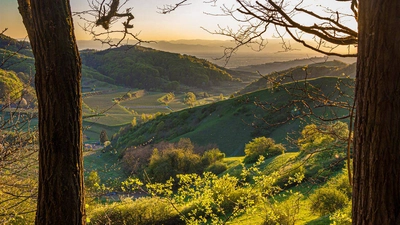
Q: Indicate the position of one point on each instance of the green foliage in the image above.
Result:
(92, 182)
(342, 216)
(142, 211)
(341, 183)
(211, 199)
(171, 162)
(10, 86)
(323, 146)
(190, 99)
(313, 136)
(291, 174)
(217, 168)
(134, 122)
(164, 160)
(167, 98)
(212, 156)
(262, 146)
(218, 122)
(150, 69)
(327, 200)
(285, 213)
(147, 117)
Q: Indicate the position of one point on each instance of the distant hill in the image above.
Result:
(141, 67)
(232, 123)
(283, 65)
(17, 56)
(13, 45)
(327, 69)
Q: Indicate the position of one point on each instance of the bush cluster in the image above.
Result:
(262, 146)
(164, 160)
(333, 197)
(328, 200)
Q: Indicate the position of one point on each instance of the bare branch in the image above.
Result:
(105, 14)
(328, 30)
(169, 8)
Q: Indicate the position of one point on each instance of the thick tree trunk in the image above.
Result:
(376, 191)
(57, 80)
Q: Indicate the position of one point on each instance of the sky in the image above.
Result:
(184, 23)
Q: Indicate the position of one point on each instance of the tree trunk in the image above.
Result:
(58, 73)
(376, 191)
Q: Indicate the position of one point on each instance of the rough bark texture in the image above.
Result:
(57, 80)
(376, 191)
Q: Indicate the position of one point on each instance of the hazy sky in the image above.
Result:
(184, 23)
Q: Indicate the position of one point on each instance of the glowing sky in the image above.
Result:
(184, 23)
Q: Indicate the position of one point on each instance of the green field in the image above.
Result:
(100, 111)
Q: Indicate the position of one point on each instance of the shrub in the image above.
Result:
(212, 156)
(328, 200)
(283, 213)
(141, 211)
(342, 216)
(217, 167)
(323, 137)
(92, 181)
(262, 146)
(190, 99)
(342, 184)
(171, 162)
(291, 175)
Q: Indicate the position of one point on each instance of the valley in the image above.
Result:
(175, 114)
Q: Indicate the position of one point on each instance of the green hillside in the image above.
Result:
(140, 67)
(232, 123)
(13, 45)
(330, 69)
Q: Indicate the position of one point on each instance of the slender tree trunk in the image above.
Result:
(376, 191)
(58, 73)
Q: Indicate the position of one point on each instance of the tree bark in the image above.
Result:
(57, 80)
(376, 191)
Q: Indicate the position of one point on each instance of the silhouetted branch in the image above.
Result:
(254, 18)
(169, 8)
(106, 13)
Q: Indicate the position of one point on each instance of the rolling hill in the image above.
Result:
(129, 66)
(329, 69)
(140, 67)
(232, 123)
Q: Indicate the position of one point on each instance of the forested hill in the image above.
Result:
(141, 67)
(13, 45)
